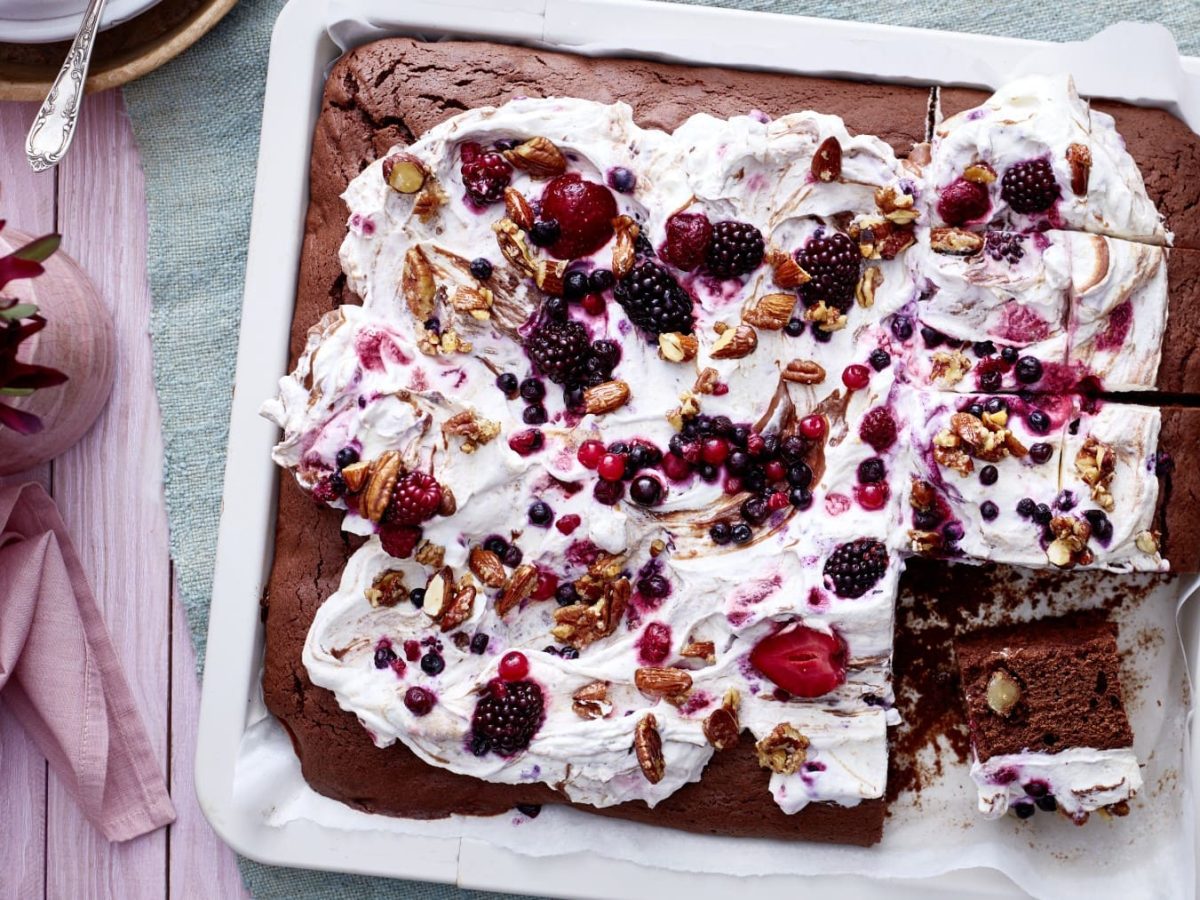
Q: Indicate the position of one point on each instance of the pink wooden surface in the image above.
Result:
(109, 490)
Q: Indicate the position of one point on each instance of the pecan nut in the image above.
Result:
(539, 157)
(605, 397)
(520, 585)
(517, 208)
(784, 750)
(417, 284)
(955, 241)
(1079, 157)
(647, 744)
(591, 701)
(385, 471)
(803, 371)
(460, 607)
(662, 681)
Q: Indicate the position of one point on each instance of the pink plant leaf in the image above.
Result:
(13, 267)
(23, 376)
(19, 421)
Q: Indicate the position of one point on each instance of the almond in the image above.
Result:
(378, 493)
(604, 398)
(803, 371)
(624, 252)
(448, 505)
(438, 593)
(735, 343)
(417, 284)
(955, 241)
(404, 173)
(786, 272)
(662, 681)
(648, 746)
(1146, 541)
(771, 311)
(704, 650)
(1080, 158)
(517, 208)
(539, 157)
(487, 567)
(356, 476)
(676, 347)
(460, 607)
(827, 161)
(520, 586)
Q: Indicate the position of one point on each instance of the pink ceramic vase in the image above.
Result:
(78, 339)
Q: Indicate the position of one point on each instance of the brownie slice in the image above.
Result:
(1178, 520)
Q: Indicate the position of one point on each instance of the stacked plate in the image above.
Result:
(39, 21)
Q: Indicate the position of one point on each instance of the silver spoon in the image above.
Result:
(54, 126)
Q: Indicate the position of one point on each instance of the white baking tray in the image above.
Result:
(301, 51)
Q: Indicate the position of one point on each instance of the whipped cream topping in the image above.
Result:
(1041, 118)
(1080, 779)
(375, 379)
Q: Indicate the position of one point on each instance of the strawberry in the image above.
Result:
(584, 212)
(688, 235)
(802, 661)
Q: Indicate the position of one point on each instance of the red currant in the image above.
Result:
(755, 445)
(856, 376)
(813, 427)
(412, 651)
(733, 485)
(567, 524)
(676, 467)
(593, 304)
(611, 467)
(871, 496)
(513, 666)
(547, 584)
(775, 470)
(714, 450)
(590, 453)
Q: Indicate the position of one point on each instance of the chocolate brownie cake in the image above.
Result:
(1047, 718)
(613, 531)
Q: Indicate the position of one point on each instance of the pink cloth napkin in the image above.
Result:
(60, 677)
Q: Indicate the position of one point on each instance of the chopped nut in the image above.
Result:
(828, 318)
(722, 728)
(785, 271)
(827, 161)
(955, 241)
(662, 681)
(983, 443)
(417, 284)
(473, 430)
(404, 173)
(1003, 693)
(676, 347)
(429, 201)
(549, 276)
(897, 240)
(803, 371)
(513, 247)
(438, 592)
(771, 311)
(459, 609)
(624, 255)
(784, 750)
(872, 278)
(924, 542)
(657, 546)
(1080, 158)
(517, 208)
(448, 505)
(735, 343)
(979, 173)
(581, 624)
(949, 367)
(476, 302)
(487, 567)
(1146, 541)
(705, 383)
(430, 555)
(1096, 463)
(948, 452)
(539, 157)
(1119, 809)
(604, 398)
(520, 585)
(356, 476)
(704, 650)
(923, 496)
(591, 701)
(385, 471)
(648, 746)
(387, 589)
(1069, 546)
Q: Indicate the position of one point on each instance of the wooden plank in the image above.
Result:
(27, 202)
(197, 855)
(109, 490)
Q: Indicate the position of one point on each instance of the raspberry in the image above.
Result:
(1029, 187)
(560, 350)
(688, 235)
(736, 248)
(584, 211)
(654, 300)
(1001, 245)
(854, 568)
(878, 428)
(804, 662)
(506, 717)
(485, 175)
(655, 643)
(415, 499)
(399, 540)
(962, 201)
(832, 262)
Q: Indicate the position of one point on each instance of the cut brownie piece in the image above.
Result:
(1047, 718)
(1178, 522)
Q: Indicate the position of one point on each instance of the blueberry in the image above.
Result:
(481, 269)
(953, 531)
(879, 359)
(677, 443)
(1042, 514)
(534, 415)
(1047, 804)
(720, 533)
(871, 470)
(1073, 426)
(902, 327)
(544, 232)
(512, 556)
(347, 456)
(1040, 452)
(741, 533)
(755, 510)
(433, 324)
(1023, 810)
(600, 280)
(708, 472)
(573, 398)
(1164, 463)
(1029, 369)
(794, 328)
(530, 810)
(821, 335)
(540, 513)
(551, 649)
(1026, 507)
(995, 405)
(621, 180)
(432, 663)
(770, 445)
(799, 475)
(569, 653)
(645, 490)
(555, 308)
(988, 475)
(496, 544)
(976, 410)
(1037, 789)
(754, 481)
(927, 519)
(479, 643)
(1065, 501)
(566, 594)
(575, 285)
(931, 336)
(740, 435)
(984, 348)
(793, 448)
(417, 597)
(1102, 529)
(1009, 354)
(384, 657)
(801, 498)
(990, 380)
(988, 510)
(654, 586)
(1039, 422)
(722, 426)
(608, 492)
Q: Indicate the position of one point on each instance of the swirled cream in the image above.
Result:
(1080, 779)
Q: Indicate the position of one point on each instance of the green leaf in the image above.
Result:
(16, 392)
(39, 249)
(19, 311)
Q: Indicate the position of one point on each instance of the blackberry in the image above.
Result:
(736, 248)
(832, 262)
(854, 568)
(1004, 245)
(654, 300)
(506, 718)
(560, 350)
(1029, 187)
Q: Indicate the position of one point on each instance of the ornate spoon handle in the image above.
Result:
(54, 126)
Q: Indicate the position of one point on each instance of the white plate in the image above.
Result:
(301, 52)
(42, 21)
